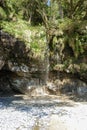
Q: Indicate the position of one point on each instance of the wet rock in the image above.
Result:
(82, 88)
(51, 88)
(22, 84)
(4, 82)
(39, 91)
(25, 85)
(20, 70)
(67, 86)
(74, 86)
(1, 64)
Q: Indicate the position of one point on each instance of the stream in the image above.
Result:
(42, 113)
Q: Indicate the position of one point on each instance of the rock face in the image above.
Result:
(4, 82)
(19, 71)
(67, 86)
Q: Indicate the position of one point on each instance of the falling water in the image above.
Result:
(47, 69)
(40, 88)
(47, 63)
(57, 61)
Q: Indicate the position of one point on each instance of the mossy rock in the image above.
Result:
(34, 37)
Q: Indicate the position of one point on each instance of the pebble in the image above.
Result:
(41, 114)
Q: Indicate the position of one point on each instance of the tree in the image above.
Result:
(71, 21)
(65, 19)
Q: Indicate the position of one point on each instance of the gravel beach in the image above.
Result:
(42, 113)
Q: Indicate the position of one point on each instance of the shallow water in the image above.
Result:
(40, 113)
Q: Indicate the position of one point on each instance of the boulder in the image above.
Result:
(23, 84)
(67, 86)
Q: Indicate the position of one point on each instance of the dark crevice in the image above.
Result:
(5, 84)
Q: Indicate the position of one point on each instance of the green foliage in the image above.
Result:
(33, 36)
(67, 16)
(72, 21)
(2, 13)
(15, 28)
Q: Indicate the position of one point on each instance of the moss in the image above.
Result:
(83, 67)
(33, 36)
(59, 67)
(2, 14)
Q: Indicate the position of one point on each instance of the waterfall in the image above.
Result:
(57, 60)
(47, 63)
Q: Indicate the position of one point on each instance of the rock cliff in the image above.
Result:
(22, 72)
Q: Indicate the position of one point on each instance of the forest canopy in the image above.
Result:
(63, 19)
